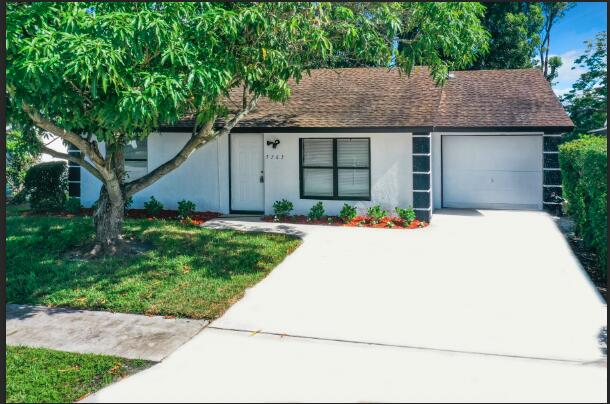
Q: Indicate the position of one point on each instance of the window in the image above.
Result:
(335, 168)
(136, 159)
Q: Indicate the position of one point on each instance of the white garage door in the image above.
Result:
(493, 172)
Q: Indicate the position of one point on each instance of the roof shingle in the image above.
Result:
(384, 98)
(496, 98)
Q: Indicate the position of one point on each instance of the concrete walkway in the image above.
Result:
(480, 306)
(126, 335)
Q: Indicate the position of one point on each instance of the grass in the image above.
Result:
(189, 271)
(43, 375)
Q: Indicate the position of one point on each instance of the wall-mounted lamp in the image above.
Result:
(273, 143)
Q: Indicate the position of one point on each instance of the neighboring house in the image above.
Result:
(601, 131)
(366, 136)
(57, 144)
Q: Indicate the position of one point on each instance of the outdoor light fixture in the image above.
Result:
(273, 143)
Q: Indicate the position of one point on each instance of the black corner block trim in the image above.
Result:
(421, 200)
(551, 160)
(424, 215)
(421, 145)
(421, 182)
(73, 173)
(552, 177)
(551, 143)
(553, 209)
(74, 189)
(550, 194)
(421, 163)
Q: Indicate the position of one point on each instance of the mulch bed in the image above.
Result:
(196, 218)
(590, 263)
(358, 221)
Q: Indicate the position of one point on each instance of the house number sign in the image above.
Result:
(274, 156)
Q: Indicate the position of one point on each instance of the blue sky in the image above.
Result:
(567, 38)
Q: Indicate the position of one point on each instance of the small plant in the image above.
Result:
(316, 212)
(72, 205)
(390, 224)
(283, 207)
(348, 213)
(408, 215)
(185, 208)
(153, 206)
(330, 220)
(375, 213)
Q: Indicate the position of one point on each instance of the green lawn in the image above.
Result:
(189, 272)
(38, 375)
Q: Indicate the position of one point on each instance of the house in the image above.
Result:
(366, 136)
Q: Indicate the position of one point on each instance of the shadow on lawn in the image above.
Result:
(184, 260)
(24, 311)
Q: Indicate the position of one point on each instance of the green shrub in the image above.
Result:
(348, 213)
(46, 184)
(153, 206)
(21, 154)
(408, 214)
(583, 166)
(316, 212)
(282, 208)
(375, 213)
(73, 205)
(185, 208)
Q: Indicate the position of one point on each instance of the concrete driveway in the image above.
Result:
(477, 299)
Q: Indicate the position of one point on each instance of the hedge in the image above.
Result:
(46, 185)
(583, 165)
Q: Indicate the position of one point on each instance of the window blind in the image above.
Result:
(335, 168)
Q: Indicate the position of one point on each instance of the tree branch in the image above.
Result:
(205, 134)
(83, 145)
(75, 159)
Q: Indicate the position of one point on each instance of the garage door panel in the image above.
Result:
(503, 172)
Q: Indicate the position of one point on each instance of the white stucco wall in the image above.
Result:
(391, 171)
(204, 177)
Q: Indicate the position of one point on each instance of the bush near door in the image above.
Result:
(584, 163)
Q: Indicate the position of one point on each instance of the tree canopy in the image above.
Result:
(552, 12)
(514, 29)
(112, 72)
(587, 101)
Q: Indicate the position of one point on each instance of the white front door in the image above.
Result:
(247, 176)
(493, 172)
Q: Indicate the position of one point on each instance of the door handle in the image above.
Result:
(262, 179)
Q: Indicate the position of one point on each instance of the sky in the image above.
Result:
(581, 23)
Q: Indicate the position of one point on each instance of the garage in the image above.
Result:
(492, 171)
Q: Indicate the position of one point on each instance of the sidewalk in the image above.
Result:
(229, 366)
(130, 336)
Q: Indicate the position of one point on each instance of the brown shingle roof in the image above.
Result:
(496, 98)
(383, 98)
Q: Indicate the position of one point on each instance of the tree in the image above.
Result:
(555, 63)
(113, 72)
(587, 101)
(514, 28)
(21, 154)
(552, 12)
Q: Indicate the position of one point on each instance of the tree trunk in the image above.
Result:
(108, 220)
